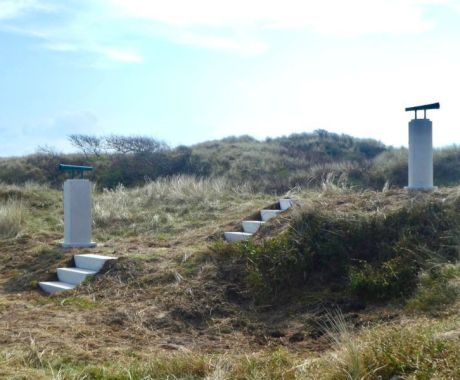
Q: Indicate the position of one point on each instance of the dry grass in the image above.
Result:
(163, 297)
(411, 349)
(169, 205)
(12, 216)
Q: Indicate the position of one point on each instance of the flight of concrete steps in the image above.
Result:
(85, 265)
(250, 227)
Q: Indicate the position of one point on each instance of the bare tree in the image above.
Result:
(47, 150)
(89, 145)
(135, 144)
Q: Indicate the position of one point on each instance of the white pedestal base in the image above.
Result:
(77, 214)
(78, 245)
(433, 188)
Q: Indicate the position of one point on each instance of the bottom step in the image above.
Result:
(55, 286)
(237, 236)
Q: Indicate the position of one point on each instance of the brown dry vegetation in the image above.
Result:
(171, 308)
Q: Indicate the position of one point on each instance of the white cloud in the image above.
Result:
(97, 26)
(61, 46)
(10, 9)
(244, 46)
(66, 41)
(237, 25)
(335, 17)
(119, 54)
(84, 30)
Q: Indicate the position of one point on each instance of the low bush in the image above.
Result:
(437, 289)
(392, 278)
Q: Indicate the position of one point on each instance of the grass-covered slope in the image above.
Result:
(370, 245)
(348, 284)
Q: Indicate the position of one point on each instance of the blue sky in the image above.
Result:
(188, 71)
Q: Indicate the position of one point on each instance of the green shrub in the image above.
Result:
(390, 279)
(436, 290)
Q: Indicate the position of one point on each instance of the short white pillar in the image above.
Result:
(420, 154)
(77, 214)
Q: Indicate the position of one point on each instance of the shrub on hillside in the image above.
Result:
(438, 288)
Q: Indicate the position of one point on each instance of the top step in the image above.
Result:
(91, 261)
(285, 204)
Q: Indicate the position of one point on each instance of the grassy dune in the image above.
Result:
(274, 165)
(181, 304)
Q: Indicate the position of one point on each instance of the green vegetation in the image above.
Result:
(272, 165)
(351, 283)
(373, 255)
(437, 289)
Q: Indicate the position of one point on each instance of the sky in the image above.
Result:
(195, 70)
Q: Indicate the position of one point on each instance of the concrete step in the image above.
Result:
(74, 275)
(285, 204)
(237, 236)
(55, 286)
(91, 261)
(268, 214)
(251, 226)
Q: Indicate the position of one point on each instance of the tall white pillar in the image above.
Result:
(420, 154)
(77, 214)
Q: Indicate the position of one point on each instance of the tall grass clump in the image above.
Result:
(166, 204)
(389, 166)
(12, 217)
(341, 335)
(446, 165)
(408, 351)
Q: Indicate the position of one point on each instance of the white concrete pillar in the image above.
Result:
(77, 214)
(420, 154)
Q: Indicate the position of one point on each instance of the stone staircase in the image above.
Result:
(85, 265)
(90, 264)
(250, 227)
